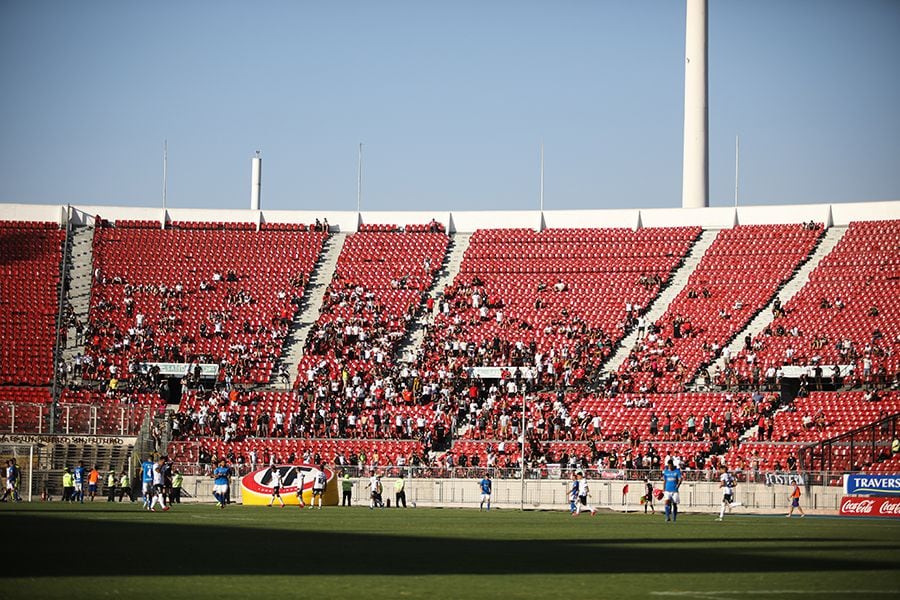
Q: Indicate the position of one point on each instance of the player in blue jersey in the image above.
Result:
(573, 493)
(485, 492)
(79, 476)
(147, 468)
(220, 483)
(671, 482)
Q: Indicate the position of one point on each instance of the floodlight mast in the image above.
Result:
(695, 174)
(255, 181)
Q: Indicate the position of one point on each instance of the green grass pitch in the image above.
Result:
(119, 551)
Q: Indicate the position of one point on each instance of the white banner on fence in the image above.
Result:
(795, 371)
(12, 438)
(180, 369)
(497, 372)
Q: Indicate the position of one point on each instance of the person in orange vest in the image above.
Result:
(795, 501)
(93, 482)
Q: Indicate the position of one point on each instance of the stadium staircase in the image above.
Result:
(415, 335)
(829, 240)
(313, 297)
(81, 259)
(658, 307)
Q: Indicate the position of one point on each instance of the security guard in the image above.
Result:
(347, 487)
(177, 481)
(125, 486)
(111, 487)
(400, 492)
(68, 481)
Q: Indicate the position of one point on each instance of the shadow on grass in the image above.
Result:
(46, 546)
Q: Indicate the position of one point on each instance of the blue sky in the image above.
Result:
(450, 99)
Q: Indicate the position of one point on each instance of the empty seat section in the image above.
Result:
(30, 259)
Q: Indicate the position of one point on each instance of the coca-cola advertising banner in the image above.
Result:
(855, 506)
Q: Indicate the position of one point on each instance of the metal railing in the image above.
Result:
(71, 419)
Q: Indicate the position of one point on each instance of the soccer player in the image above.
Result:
(671, 482)
(727, 483)
(573, 493)
(584, 491)
(147, 481)
(300, 501)
(220, 483)
(12, 481)
(319, 487)
(159, 485)
(795, 501)
(373, 490)
(486, 486)
(78, 474)
(276, 487)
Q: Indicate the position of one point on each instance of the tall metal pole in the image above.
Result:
(737, 166)
(165, 171)
(30, 473)
(542, 175)
(522, 460)
(359, 179)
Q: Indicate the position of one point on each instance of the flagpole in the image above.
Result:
(165, 171)
(542, 176)
(359, 179)
(737, 166)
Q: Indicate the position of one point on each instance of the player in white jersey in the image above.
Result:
(319, 484)
(159, 484)
(299, 484)
(727, 483)
(584, 493)
(276, 486)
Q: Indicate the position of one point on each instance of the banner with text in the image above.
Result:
(180, 369)
(865, 484)
(854, 506)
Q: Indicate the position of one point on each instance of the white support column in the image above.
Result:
(255, 181)
(695, 175)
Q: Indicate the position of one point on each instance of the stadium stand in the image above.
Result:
(559, 300)
(378, 287)
(737, 277)
(847, 314)
(524, 298)
(199, 292)
(30, 258)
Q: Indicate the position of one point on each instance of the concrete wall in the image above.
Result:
(591, 218)
(405, 217)
(552, 494)
(708, 218)
(468, 221)
(53, 213)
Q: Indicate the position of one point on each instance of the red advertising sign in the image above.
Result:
(856, 506)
